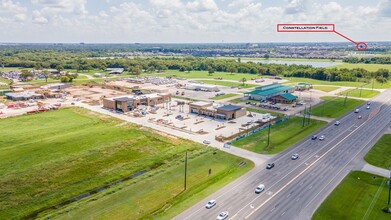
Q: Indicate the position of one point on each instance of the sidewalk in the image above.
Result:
(376, 170)
(258, 159)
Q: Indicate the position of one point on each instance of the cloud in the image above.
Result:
(202, 5)
(38, 18)
(77, 7)
(296, 6)
(12, 11)
(385, 6)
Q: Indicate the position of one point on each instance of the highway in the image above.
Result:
(294, 189)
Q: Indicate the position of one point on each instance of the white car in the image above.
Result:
(295, 156)
(222, 216)
(210, 204)
(368, 107)
(321, 138)
(337, 123)
(259, 188)
(206, 142)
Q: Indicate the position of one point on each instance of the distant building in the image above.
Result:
(301, 86)
(56, 86)
(202, 87)
(131, 102)
(22, 96)
(115, 70)
(225, 112)
(269, 91)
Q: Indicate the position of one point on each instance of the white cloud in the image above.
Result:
(202, 5)
(38, 18)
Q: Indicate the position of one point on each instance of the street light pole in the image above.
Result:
(268, 134)
(389, 188)
(185, 170)
(305, 109)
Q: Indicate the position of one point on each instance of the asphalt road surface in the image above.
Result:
(294, 189)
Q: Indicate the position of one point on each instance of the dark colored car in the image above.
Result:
(314, 137)
(269, 166)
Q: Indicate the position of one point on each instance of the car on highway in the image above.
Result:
(210, 204)
(357, 110)
(269, 166)
(314, 137)
(206, 142)
(368, 107)
(368, 103)
(359, 117)
(222, 216)
(337, 123)
(321, 138)
(294, 156)
(259, 188)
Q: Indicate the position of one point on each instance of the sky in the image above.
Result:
(189, 21)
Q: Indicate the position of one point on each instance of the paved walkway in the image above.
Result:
(143, 121)
(376, 170)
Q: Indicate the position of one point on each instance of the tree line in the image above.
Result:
(370, 60)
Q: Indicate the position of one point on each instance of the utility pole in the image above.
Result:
(305, 109)
(268, 134)
(389, 188)
(185, 170)
(346, 97)
(309, 114)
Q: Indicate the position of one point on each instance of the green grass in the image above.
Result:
(185, 98)
(282, 136)
(353, 196)
(286, 59)
(139, 198)
(326, 88)
(226, 96)
(360, 93)
(227, 83)
(58, 155)
(379, 155)
(204, 75)
(369, 67)
(333, 107)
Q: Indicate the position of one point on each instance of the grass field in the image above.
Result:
(326, 88)
(282, 136)
(333, 107)
(360, 93)
(226, 96)
(55, 156)
(205, 75)
(379, 155)
(376, 85)
(369, 67)
(227, 83)
(352, 198)
(139, 198)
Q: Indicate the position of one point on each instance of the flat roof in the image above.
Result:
(201, 85)
(200, 103)
(229, 107)
(123, 99)
(270, 91)
(288, 96)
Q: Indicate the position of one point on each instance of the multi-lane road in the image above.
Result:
(294, 189)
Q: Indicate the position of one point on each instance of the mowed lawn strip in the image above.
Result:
(160, 195)
(353, 196)
(55, 156)
(225, 96)
(333, 107)
(282, 136)
(326, 88)
(380, 154)
(360, 93)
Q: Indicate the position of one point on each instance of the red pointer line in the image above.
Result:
(345, 37)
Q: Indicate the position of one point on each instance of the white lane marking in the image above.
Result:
(283, 213)
(251, 206)
(302, 172)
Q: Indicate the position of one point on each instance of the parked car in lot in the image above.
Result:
(337, 123)
(299, 103)
(269, 166)
(259, 188)
(295, 156)
(314, 137)
(222, 216)
(206, 142)
(321, 138)
(210, 204)
(247, 103)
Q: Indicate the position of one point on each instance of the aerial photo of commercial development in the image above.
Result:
(195, 109)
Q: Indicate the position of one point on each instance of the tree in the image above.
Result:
(26, 75)
(210, 71)
(266, 56)
(64, 79)
(46, 74)
(243, 80)
(232, 69)
(136, 70)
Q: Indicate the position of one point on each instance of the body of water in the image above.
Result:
(289, 62)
